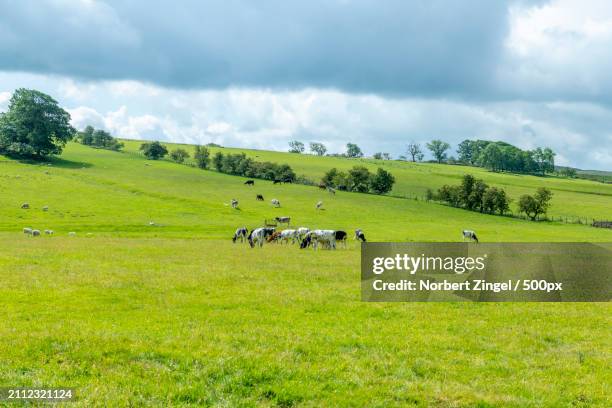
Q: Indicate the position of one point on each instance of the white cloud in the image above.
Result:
(268, 119)
(560, 48)
(83, 116)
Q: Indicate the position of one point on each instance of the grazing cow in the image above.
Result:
(241, 233)
(288, 234)
(45, 208)
(234, 203)
(260, 197)
(341, 237)
(25, 206)
(27, 231)
(301, 233)
(359, 235)
(331, 190)
(470, 235)
(35, 233)
(322, 186)
(275, 202)
(258, 236)
(288, 180)
(283, 220)
(325, 237)
(48, 232)
(319, 205)
(277, 182)
(250, 182)
(274, 237)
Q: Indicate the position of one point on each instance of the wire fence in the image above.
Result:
(565, 219)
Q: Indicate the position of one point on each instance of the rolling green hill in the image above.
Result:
(573, 198)
(174, 314)
(92, 190)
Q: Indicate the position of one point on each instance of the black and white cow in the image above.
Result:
(250, 182)
(260, 197)
(259, 235)
(241, 233)
(288, 235)
(275, 202)
(327, 238)
(359, 235)
(301, 233)
(470, 235)
(341, 237)
(283, 220)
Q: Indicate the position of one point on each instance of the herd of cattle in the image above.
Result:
(327, 239)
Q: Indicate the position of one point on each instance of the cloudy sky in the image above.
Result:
(376, 73)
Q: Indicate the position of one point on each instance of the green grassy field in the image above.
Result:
(573, 198)
(175, 314)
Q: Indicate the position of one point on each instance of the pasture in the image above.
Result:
(572, 198)
(174, 313)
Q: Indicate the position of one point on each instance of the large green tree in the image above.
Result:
(359, 179)
(153, 150)
(382, 181)
(352, 150)
(34, 125)
(295, 146)
(438, 148)
(491, 157)
(202, 157)
(318, 148)
(545, 159)
(535, 205)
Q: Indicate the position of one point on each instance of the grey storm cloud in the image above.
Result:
(378, 73)
(435, 47)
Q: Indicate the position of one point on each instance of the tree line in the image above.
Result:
(495, 156)
(98, 138)
(475, 195)
(359, 179)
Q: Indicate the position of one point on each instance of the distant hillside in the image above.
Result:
(572, 197)
(111, 193)
(596, 175)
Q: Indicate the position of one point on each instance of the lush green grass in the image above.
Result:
(175, 314)
(573, 198)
